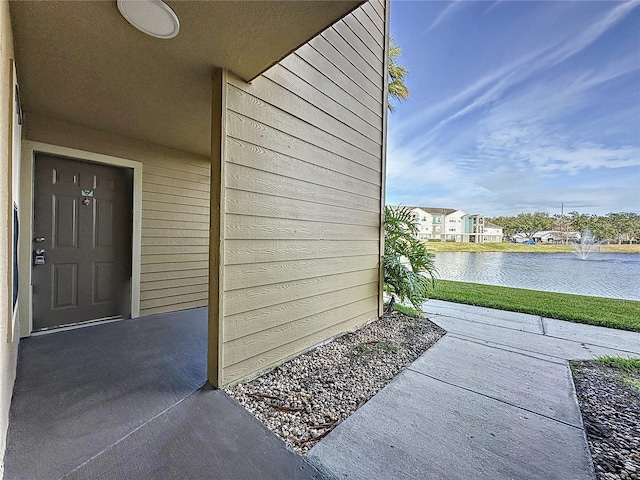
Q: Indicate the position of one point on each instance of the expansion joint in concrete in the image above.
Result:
(578, 427)
(505, 348)
(139, 427)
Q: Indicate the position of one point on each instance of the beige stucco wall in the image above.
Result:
(175, 211)
(302, 186)
(8, 350)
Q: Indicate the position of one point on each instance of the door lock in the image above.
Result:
(38, 239)
(38, 257)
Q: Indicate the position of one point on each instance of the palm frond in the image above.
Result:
(408, 267)
(396, 87)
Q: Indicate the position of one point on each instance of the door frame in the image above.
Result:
(29, 151)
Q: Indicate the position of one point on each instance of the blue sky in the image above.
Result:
(517, 106)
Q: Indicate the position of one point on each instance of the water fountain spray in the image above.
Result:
(587, 246)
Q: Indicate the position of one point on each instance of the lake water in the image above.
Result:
(614, 275)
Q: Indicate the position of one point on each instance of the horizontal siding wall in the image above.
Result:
(302, 183)
(8, 347)
(175, 212)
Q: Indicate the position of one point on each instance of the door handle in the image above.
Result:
(39, 239)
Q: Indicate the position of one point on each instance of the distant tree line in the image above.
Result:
(620, 227)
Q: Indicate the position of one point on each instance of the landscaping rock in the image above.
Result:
(305, 398)
(610, 407)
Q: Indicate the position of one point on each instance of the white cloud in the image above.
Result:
(411, 169)
(535, 62)
(591, 33)
(540, 127)
(493, 5)
(448, 10)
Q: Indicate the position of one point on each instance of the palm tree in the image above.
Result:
(409, 268)
(397, 88)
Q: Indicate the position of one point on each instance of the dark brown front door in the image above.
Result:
(82, 241)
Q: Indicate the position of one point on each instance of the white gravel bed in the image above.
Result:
(305, 398)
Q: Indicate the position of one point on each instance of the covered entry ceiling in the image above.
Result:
(84, 63)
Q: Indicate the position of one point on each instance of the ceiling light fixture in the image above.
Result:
(153, 17)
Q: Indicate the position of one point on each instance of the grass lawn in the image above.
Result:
(614, 248)
(629, 369)
(631, 365)
(518, 247)
(604, 312)
(408, 310)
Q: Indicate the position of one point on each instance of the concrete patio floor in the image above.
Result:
(493, 399)
(128, 400)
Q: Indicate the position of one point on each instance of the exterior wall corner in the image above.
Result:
(217, 227)
(8, 338)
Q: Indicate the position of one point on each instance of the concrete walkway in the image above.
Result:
(493, 399)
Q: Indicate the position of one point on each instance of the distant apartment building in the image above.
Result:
(493, 232)
(451, 225)
(555, 237)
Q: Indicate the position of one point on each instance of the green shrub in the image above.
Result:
(409, 269)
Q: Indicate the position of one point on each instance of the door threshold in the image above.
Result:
(75, 326)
